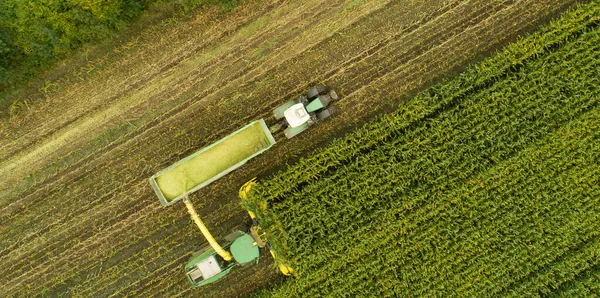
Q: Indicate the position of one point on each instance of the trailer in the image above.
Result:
(212, 162)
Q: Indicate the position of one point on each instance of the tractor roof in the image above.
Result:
(296, 115)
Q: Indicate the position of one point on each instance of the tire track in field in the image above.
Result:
(56, 253)
(176, 255)
(64, 259)
(85, 219)
(234, 215)
(159, 274)
(123, 271)
(419, 65)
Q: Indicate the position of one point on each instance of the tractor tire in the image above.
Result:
(316, 91)
(322, 89)
(326, 113)
(303, 100)
(234, 233)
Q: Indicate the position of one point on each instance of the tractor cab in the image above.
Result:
(295, 116)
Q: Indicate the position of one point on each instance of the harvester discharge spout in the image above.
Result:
(211, 240)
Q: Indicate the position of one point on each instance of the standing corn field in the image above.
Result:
(485, 185)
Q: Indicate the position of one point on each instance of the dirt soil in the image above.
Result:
(77, 215)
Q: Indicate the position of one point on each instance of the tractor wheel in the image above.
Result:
(322, 89)
(326, 113)
(235, 233)
(316, 91)
(303, 100)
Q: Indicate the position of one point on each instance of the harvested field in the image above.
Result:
(77, 214)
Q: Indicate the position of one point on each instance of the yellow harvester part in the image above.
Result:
(285, 269)
(211, 240)
(243, 193)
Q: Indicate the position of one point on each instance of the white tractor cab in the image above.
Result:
(297, 115)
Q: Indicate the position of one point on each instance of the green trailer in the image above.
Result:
(211, 163)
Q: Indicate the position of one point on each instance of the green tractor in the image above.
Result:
(240, 248)
(295, 116)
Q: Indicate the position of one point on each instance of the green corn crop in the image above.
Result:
(484, 185)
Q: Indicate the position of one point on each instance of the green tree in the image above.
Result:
(33, 33)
